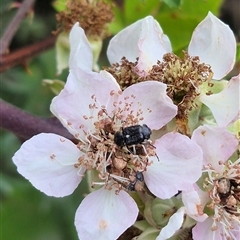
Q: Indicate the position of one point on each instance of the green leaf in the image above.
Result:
(132, 11)
(59, 5)
(135, 9)
(177, 23)
(55, 86)
(62, 52)
(173, 3)
(238, 53)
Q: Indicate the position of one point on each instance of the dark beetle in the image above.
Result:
(132, 135)
(137, 183)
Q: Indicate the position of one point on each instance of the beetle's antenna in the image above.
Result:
(149, 142)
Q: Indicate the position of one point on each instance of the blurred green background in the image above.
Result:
(26, 213)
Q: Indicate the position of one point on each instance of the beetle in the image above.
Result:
(132, 135)
(137, 183)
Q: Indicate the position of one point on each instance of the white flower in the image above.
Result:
(93, 108)
(212, 40)
(221, 195)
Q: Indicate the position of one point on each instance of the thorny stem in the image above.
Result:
(22, 55)
(14, 24)
(25, 125)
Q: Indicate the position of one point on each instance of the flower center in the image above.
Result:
(225, 195)
(119, 150)
(183, 77)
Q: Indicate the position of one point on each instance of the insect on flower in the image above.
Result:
(137, 182)
(132, 135)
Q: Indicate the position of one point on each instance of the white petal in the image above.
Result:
(80, 50)
(217, 144)
(215, 44)
(47, 161)
(72, 105)
(179, 165)
(105, 215)
(194, 206)
(174, 224)
(225, 105)
(204, 229)
(151, 101)
(152, 44)
(143, 39)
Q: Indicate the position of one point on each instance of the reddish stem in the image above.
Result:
(22, 55)
(25, 125)
(14, 24)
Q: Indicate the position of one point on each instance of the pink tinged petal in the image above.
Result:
(225, 106)
(194, 206)
(83, 90)
(236, 230)
(217, 144)
(204, 229)
(80, 50)
(174, 224)
(105, 215)
(151, 99)
(221, 232)
(47, 161)
(215, 44)
(179, 165)
(143, 39)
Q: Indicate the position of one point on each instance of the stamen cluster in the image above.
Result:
(125, 73)
(183, 77)
(225, 195)
(117, 166)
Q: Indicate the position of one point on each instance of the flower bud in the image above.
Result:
(162, 210)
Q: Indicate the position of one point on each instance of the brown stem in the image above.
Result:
(14, 24)
(22, 55)
(25, 125)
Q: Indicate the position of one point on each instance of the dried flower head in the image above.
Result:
(93, 16)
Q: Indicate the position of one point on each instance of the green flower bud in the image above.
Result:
(159, 211)
(162, 210)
